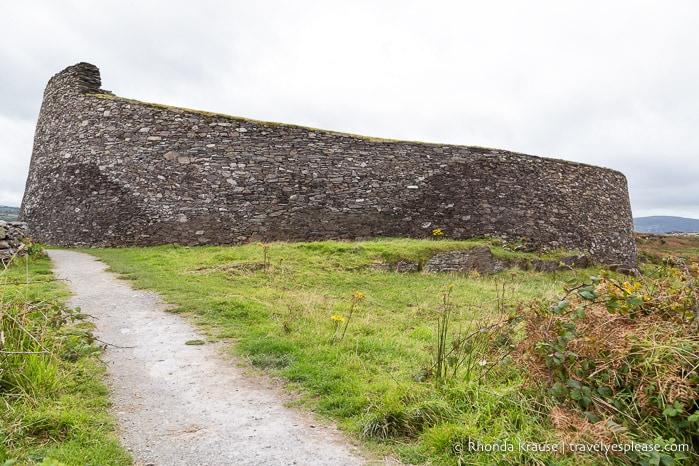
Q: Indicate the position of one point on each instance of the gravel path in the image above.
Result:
(187, 405)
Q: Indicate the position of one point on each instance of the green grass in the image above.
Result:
(53, 404)
(276, 303)
(9, 214)
(363, 347)
(360, 345)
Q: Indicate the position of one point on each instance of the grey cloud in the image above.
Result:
(606, 83)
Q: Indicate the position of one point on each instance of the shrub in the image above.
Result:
(621, 357)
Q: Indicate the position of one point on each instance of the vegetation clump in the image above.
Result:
(53, 406)
(621, 358)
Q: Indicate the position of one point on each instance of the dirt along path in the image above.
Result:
(180, 404)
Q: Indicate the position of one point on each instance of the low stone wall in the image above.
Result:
(480, 259)
(12, 236)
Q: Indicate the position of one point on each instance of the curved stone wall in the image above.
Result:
(109, 171)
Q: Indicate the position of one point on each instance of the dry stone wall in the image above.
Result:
(12, 236)
(109, 171)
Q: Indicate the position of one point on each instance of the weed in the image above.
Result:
(474, 352)
(195, 342)
(265, 254)
(442, 335)
(337, 321)
(356, 299)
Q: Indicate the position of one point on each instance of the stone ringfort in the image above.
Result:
(110, 171)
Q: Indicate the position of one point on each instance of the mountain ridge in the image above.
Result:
(665, 224)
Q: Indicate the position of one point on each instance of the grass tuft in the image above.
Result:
(53, 406)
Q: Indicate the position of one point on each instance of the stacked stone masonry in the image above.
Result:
(12, 237)
(109, 171)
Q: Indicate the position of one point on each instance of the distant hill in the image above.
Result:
(665, 224)
(9, 214)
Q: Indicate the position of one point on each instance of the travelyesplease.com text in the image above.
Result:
(566, 447)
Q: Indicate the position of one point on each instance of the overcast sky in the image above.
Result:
(613, 83)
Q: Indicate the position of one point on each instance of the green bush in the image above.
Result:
(624, 354)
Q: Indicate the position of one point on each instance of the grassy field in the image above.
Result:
(357, 343)
(53, 404)
(430, 368)
(519, 367)
(655, 247)
(9, 214)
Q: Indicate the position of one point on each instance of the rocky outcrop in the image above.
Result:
(480, 259)
(402, 266)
